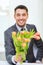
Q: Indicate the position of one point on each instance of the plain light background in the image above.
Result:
(35, 8)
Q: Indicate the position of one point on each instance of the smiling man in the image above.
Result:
(21, 15)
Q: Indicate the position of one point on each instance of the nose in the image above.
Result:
(21, 17)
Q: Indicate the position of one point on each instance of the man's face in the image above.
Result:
(21, 17)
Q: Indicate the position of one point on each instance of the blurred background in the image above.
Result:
(35, 8)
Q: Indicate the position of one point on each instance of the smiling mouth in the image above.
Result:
(21, 21)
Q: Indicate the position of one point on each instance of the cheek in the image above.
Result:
(17, 18)
(25, 17)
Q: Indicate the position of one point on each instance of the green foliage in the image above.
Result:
(21, 46)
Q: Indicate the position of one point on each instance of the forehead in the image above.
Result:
(21, 11)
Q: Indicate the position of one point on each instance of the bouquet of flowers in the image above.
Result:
(21, 42)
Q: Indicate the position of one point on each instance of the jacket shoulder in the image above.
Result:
(31, 25)
(10, 29)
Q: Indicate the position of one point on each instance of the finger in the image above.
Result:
(37, 37)
(37, 34)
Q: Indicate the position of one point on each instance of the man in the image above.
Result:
(21, 15)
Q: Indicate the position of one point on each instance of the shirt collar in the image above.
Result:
(19, 28)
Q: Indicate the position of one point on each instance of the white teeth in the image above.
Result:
(21, 21)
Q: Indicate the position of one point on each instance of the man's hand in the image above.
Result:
(19, 59)
(37, 36)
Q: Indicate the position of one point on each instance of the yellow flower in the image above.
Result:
(28, 32)
(14, 33)
(23, 44)
(22, 32)
(19, 38)
(26, 40)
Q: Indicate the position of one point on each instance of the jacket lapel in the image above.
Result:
(15, 28)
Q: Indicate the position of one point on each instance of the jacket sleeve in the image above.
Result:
(39, 44)
(9, 47)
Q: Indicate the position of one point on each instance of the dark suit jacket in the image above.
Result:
(10, 49)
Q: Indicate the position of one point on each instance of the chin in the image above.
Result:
(22, 25)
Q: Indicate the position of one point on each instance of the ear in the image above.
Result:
(14, 15)
(27, 15)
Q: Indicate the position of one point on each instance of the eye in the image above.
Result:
(18, 14)
(24, 14)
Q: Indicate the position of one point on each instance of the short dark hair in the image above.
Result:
(21, 7)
